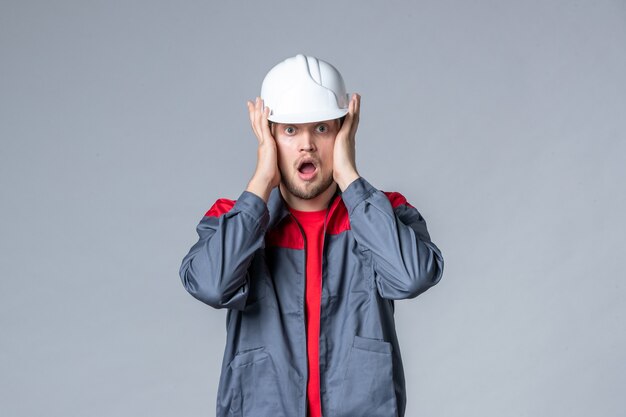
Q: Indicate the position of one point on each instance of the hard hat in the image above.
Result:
(304, 89)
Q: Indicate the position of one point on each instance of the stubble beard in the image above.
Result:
(307, 193)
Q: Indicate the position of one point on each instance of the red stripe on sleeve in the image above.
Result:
(397, 199)
(221, 206)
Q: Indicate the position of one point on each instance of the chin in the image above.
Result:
(308, 193)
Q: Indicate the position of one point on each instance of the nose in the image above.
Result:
(307, 141)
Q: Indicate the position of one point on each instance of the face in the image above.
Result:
(305, 156)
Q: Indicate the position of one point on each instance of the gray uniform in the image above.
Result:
(251, 259)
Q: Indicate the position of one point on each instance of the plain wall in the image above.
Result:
(503, 122)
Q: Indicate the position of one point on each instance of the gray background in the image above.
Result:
(503, 122)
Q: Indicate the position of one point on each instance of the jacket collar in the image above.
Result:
(278, 209)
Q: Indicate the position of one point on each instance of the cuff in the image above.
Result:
(356, 193)
(254, 206)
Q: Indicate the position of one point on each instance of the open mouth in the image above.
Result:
(307, 169)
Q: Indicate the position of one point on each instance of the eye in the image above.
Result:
(323, 128)
(290, 130)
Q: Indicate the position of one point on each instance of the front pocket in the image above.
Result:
(372, 345)
(256, 390)
(368, 388)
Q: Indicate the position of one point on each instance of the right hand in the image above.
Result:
(267, 175)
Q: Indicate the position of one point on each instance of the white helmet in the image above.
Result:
(304, 89)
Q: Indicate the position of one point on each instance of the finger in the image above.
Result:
(266, 115)
(354, 104)
(252, 116)
(251, 112)
(355, 117)
(257, 118)
(346, 127)
(267, 133)
(262, 121)
(262, 118)
(347, 123)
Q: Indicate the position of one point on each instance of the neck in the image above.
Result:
(313, 204)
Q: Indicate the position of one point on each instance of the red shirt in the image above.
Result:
(312, 223)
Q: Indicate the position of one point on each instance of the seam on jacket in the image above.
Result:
(254, 207)
(357, 192)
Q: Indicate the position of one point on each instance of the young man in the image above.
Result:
(309, 260)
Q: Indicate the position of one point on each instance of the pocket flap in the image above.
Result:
(372, 345)
(248, 357)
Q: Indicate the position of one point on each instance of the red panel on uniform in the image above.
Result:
(286, 235)
(397, 199)
(221, 206)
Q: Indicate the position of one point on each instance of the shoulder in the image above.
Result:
(396, 199)
(221, 206)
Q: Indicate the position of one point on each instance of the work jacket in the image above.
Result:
(251, 259)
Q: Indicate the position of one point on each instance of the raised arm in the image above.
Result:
(215, 269)
(405, 260)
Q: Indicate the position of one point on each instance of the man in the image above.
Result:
(309, 260)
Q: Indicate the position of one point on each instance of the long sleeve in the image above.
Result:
(406, 262)
(215, 269)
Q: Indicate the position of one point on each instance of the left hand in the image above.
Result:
(344, 154)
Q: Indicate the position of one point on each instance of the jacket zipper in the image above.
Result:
(306, 379)
(306, 362)
(322, 296)
(323, 281)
